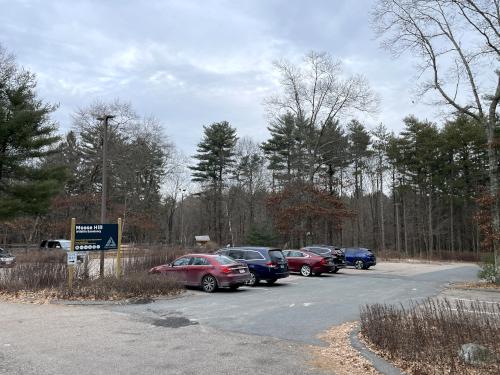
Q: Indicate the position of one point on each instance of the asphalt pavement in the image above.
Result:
(261, 330)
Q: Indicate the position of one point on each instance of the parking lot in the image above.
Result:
(265, 329)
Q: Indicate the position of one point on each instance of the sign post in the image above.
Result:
(119, 253)
(70, 255)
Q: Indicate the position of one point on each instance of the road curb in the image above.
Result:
(378, 362)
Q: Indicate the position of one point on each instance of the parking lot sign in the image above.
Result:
(96, 237)
(72, 258)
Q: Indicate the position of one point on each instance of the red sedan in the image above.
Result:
(307, 263)
(207, 271)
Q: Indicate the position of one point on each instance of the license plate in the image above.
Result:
(242, 271)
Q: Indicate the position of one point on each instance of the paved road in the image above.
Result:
(299, 308)
(262, 330)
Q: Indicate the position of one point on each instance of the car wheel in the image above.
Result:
(305, 270)
(209, 284)
(254, 280)
(335, 270)
(317, 274)
(366, 267)
(359, 264)
(271, 282)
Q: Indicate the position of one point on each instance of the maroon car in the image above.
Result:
(207, 271)
(307, 263)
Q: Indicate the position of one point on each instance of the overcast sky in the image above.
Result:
(191, 63)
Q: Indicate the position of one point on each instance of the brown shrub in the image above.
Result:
(139, 284)
(42, 256)
(145, 259)
(46, 274)
(33, 276)
(429, 335)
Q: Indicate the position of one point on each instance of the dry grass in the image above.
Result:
(42, 275)
(339, 356)
(426, 338)
(145, 259)
(477, 285)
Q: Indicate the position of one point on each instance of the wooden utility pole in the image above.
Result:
(104, 192)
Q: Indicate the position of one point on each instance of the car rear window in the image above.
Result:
(317, 250)
(222, 259)
(252, 255)
(236, 254)
(276, 255)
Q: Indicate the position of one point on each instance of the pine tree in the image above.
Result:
(27, 137)
(215, 159)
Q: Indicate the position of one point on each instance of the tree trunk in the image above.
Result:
(452, 234)
(381, 212)
(431, 235)
(405, 227)
(493, 175)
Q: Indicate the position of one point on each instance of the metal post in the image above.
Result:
(119, 252)
(182, 216)
(104, 191)
(71, 249)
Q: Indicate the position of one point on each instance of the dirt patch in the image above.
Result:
(477, 285)
(339, 356)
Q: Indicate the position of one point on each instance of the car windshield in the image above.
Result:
(222, 259)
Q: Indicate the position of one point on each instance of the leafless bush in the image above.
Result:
(33, 276)
(139, 284)
(427, 337)
(42, 256)
(145, 259)
(46, 273)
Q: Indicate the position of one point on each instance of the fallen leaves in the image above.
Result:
(339, 356)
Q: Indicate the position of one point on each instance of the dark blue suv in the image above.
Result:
(264, 263)
(359, 257)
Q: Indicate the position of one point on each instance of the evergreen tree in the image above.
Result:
(279, 149)
(27, 137)
(215, 159)
(334, 152)
(359, 140)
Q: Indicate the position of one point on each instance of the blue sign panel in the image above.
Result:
(96, 237)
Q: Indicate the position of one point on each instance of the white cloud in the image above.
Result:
(190, 63)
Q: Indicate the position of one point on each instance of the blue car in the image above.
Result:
(359, 257)
(264, 263)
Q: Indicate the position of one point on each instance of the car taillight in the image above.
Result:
(225, 269)
(324, 261)
(271, 264)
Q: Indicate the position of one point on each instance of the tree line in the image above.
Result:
(324, 175)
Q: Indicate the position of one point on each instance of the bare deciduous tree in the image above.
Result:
(318, 92)
(458, 46)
